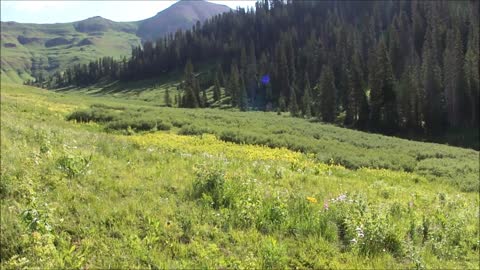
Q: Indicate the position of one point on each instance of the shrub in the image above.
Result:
(272, 254)
(92, 115)
(138, 125)
(193, 130)
(74, 165)
(211, 183)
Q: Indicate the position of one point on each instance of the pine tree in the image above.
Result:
(251, 73)
(242, 96)
(327, 88)
(290, 51)
(431, 81)
(221, 76)
(234, 87)
(204, 99)
(216, 89)
(282, 80)
(376, 94)
(282, 106)
(453, 77)
(243, 62)
(472, 81)
(293, 105)
(306, 100)
(167, 98)
(190, 85)
(383, 113)
(359, 98)
(390, 98)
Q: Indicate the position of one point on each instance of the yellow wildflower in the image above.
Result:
(311, 199)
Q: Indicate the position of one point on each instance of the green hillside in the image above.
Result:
(28, 50)
(128, 184)
(34, 49)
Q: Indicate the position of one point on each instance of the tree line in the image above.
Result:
(385, 66)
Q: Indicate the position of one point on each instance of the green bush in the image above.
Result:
(92, 115)
(74, 165)
(210, 182)
(193, 130)
(138, 125)
(272, 254)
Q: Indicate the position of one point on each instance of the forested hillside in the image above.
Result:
(384, 66)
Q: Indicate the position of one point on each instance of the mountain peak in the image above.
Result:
(181, 15)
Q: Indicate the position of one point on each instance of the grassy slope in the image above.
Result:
(74, 196)
(114, 39)
(329, 143)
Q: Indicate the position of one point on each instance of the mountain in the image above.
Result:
(38, 49)
(181, 15)
(33, 50)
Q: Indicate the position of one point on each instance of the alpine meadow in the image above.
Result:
(291, 134)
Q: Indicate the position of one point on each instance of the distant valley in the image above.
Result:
(32, 50)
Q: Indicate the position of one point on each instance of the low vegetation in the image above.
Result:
(348, 148)
(83, 195)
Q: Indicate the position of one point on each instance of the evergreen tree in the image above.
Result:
(204, 99)
(216, 88)
(167, 98)
(390, 97)
(251, 73)
(242, 96)
(376, 94)
(282, 106)
(431, 82)
(282, 77)
(293, 106)
(221, 76)
(327, 94)
(190, 86)
(472, 82)
(306, 100)
(383, 113)
(453, 77)
(234, 88)
(243, 62)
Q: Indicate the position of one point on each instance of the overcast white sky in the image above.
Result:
(69, 11)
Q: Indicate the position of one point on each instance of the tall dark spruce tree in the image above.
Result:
(327, 91)
(190, 96)
(307, 98)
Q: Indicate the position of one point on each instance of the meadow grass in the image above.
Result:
(145, 111)
(82, 195)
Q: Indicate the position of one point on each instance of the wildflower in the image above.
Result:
(342, 197)
(325, 205)
(354, 241)
(312, 200)
(36, 235)
(360, 233)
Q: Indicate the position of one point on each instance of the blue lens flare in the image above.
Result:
(265, 79)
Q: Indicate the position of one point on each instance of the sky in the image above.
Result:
(70, 11)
